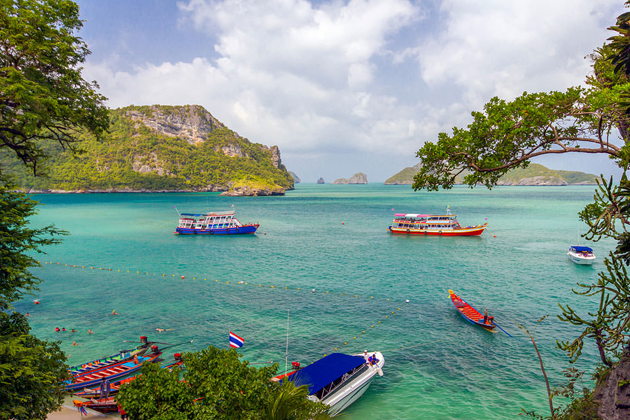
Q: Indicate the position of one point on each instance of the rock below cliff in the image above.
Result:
(358, 178)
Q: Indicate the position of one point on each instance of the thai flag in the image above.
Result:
(235, 340)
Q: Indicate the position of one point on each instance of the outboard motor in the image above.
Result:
(154, 348)
(144, 341)
(295, 365)
(177, 357)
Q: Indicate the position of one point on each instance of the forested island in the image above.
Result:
(159, 149)
(533, 174)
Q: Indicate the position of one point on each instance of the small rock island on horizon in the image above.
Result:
(358, 178)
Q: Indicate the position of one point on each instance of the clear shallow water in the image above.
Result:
(331, 238)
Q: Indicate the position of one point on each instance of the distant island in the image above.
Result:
(296, 179)
(534, 174)
(358, 178)
(160, 149)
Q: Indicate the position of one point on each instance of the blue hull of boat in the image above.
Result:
(224, 231)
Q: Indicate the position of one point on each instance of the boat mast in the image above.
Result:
(286, 355)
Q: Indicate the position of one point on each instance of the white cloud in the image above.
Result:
(318, 79)
(502, 48)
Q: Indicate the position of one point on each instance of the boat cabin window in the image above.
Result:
(339, 382)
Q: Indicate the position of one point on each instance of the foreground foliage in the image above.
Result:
(18, 243)
(43, 98)
(43, 101)
(215, 385)
(31, 371)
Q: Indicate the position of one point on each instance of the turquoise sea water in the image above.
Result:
(331, 238)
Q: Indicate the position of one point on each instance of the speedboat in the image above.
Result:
(338, 379)
(582, 255)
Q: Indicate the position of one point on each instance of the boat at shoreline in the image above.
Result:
(119, 357)
(213, 223)
(581, 255)
(431, 224)
(338, 379)
(111, 388)
(115, 371)
(470, 314)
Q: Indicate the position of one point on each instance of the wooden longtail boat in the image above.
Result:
(102, 405)
(113, 388)
(469, 313)
(115, 371)
(110, 360)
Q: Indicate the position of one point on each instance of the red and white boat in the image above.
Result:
(431, 224)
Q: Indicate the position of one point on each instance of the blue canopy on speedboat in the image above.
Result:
(579, 248)
(326, 370)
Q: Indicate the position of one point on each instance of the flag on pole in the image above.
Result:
(235, 340)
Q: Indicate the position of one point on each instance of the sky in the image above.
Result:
(344, 86)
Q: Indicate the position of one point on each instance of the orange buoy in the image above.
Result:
(183, 277)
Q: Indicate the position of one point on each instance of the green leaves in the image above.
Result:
(18, 242)
(31, 371)
(507, 135)
(215, 385)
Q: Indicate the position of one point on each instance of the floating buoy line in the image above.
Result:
(232, 283)
(352, 341)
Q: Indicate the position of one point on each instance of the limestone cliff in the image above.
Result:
(162, 148)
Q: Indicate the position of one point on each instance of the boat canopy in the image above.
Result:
(326, 370)
(580, 248)
(216, 213)
(412, 215)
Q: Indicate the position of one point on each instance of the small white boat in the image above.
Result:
(582, 255)
(338, 379)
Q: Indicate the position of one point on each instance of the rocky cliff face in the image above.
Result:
(358, 178)
(613, 395)
(191, 122)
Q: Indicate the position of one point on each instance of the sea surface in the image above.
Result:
(324, 263)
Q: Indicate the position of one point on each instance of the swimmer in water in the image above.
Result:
(164, 329)
(90, 332)
(114, 312)
(74, 343)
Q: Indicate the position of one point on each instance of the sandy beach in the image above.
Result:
(70, 412)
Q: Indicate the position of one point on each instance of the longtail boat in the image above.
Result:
(109, 389)
(110, 360)
(431, 224)
(470, 314)
(102, 405)
(115, 371)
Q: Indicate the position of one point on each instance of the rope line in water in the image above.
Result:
(368, 329)
(240, 283)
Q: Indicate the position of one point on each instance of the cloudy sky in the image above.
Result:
(343, 86)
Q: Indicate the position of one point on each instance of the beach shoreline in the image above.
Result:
(69, 412)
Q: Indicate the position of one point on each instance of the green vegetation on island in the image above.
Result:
(533, 174)
(159, 148)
